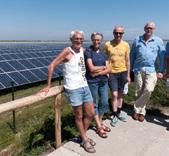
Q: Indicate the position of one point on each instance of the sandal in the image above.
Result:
(88, 147)
(93, 143)
(105, 128)
(78, 139)
(100, 131)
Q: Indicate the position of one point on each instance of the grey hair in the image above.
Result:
(150, 23)
(118, 26)
(75, 32)
(96, 33)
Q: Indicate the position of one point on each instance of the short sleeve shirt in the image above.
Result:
(117, 55)
(98, 59)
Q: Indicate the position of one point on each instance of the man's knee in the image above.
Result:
(78, 117)
(90, 114)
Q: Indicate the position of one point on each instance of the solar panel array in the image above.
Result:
(25, 63)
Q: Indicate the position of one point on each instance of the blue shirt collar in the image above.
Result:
(152, 38)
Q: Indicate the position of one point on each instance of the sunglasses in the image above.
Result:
(118, 33)
(149, 28)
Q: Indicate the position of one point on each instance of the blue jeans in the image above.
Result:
(99, 92)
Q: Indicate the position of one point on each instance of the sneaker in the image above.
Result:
(114, 121)
(122, 117)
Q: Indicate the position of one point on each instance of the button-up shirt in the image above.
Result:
(147, 56)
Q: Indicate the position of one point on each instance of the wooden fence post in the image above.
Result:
(58, 137)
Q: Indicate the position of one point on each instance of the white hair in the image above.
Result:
(76, 32)
(150, 23)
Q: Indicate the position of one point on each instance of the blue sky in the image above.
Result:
(54, 19)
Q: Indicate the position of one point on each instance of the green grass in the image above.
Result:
(35, 124)
(158, 100)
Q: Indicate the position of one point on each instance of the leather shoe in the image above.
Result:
(141, 117)
(135, 116)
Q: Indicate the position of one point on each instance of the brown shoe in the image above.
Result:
(135, 116)
(141, 117)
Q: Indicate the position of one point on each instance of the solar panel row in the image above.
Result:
(26, 63)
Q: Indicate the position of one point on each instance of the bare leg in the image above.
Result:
(89, 109)
(79, 121)
(101, 117)
(97, 119)
(114, 101)
(120, 99)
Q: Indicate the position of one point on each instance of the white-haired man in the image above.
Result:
(75, 84)
(146, 50)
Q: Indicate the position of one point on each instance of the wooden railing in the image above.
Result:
(31, 100)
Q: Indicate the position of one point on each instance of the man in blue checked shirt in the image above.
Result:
(147, 63)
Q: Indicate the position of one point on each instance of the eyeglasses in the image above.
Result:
(118, 33)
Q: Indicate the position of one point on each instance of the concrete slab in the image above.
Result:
(131, 138)
(63, 151)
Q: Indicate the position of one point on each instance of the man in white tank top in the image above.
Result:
(75, 84)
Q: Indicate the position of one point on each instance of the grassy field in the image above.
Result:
(35, 124)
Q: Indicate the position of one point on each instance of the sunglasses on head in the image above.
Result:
(118, 33)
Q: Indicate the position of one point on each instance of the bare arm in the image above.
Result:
(92, 68)
(61, 57)
(105, 71)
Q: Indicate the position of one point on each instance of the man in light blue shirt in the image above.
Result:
(147, 63)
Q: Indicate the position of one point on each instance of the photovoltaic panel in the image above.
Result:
(40, 74)
(36, 63)
(27, 64)
(7, 57)
(28, 55)
(40, 54)
(14, 56)
(15, 64)
(1, 57)
(44, 61)
(24, 63)
(18, 78)
(1, 70)
(30, 76)
(6, 67)
(2, 86)
(34, 55)
(6, 80)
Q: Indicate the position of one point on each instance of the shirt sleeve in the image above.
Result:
(87, 54)
(127, 48)
(167, 49)
(105, 48)
(162, 53)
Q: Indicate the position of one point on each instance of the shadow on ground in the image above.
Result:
(154, 116)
